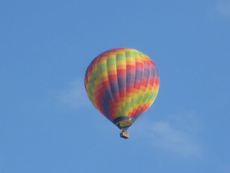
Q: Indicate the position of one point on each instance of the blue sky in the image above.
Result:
(47, 123)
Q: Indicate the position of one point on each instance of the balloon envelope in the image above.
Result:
(122, 83)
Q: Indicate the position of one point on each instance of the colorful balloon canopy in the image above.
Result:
(122, 84)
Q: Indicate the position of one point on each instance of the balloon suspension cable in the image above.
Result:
(124, 134)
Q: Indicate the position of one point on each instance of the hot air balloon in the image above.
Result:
(122, 84)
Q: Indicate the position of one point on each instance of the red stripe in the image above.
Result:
(121, 73)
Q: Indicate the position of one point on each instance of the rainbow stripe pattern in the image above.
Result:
(122, 83)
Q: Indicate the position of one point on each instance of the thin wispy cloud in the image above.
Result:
(174, 140)
(175, 136)
(74, 95)
(223, 7)
(226, 168)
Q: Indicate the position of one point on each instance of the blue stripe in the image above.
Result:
(106, 103)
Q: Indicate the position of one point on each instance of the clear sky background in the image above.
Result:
(48, 125)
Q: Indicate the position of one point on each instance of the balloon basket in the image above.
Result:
(124, 134)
